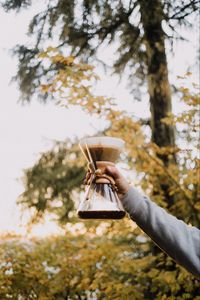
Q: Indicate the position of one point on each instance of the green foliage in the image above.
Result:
(72, 82)
(49, 184)
(133, 268)
(15, 4)
(112, 260)
(120, 263)
(89, 267)
(83, 26)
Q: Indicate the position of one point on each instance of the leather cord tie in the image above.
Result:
(96, 176)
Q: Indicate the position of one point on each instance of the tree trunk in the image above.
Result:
(158, 83)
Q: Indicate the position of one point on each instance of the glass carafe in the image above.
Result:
(101, 200)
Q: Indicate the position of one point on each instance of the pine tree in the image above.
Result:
(134, 26)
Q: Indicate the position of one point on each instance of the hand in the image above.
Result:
(120, 182)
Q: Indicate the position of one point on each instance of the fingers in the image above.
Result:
(113, 171)
(109, 169)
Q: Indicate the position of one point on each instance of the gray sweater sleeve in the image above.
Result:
(173, 236)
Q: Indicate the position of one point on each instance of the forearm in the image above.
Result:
(177, 239)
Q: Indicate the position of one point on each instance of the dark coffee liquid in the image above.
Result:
(102, 153)
(102, 214)
(103, 203)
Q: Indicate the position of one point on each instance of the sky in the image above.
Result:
(28, 130)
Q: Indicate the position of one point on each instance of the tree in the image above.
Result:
(62, 170)
(112, 265)
(134, 26)
(52, 182)
(152, 276)
(147, 275)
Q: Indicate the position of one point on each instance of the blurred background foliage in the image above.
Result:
(53, 180)
(106, 260)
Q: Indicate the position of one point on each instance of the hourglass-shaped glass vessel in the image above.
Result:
(101, 200)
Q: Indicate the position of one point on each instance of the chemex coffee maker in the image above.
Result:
(100, 200)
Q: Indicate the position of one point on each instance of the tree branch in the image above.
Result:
(103, 32)
(182, 9)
